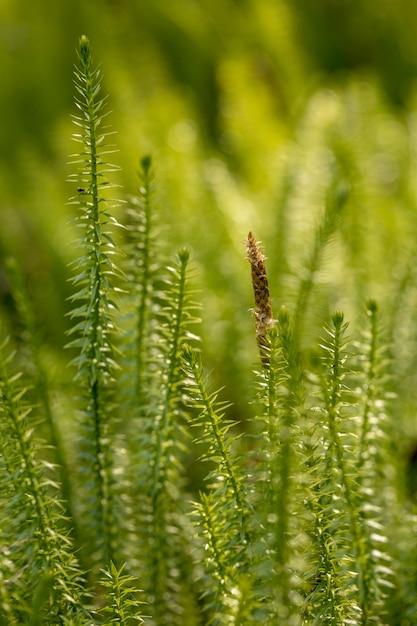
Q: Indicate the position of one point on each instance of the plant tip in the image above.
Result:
(146, 162)
(184, 254)
(337, 319)
(84, 48)
(372, 307)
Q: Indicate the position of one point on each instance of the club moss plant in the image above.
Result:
(300, 518)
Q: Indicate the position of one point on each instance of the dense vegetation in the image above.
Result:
(133, 487)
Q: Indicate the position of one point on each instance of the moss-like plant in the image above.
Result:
(38, 557)
(93, 314)
(298, 514)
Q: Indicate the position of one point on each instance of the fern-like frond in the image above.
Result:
(93, 315)
(331, 598)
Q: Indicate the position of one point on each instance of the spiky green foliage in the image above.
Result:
(298, 516)
(143, 271)
(227, 594)
(160, 452)
(32, 339)
(95, 305)
(374, 469)
(224, 513)
(123, 607)
(7, 596)
(280, 399)
(226, 478)
(357, 485)
(285, 457)
(266, 476)
(36, 553)
(328, 600)
(333, 500)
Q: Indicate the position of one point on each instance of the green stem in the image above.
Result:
(352, 508)
(145, 283)
(370, 391)
(163, 426)
(221, 570)
(101, 461)
(368, 561)
(286, 455)
(173, 357)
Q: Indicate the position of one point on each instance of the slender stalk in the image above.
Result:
(95, 391)
(370, 390)
(207, 515)
(95, 330)
(173, 360)
(145, 274)
(333, 405)
(162, 448)
(286, 459)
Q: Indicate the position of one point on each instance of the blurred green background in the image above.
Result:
(248, 107)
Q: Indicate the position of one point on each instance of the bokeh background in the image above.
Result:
(248, 108)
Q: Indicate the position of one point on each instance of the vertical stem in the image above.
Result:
(352, 508)
(286, 456)
(96, 382)
(370, 375)
(145, 275)
(159, 460)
